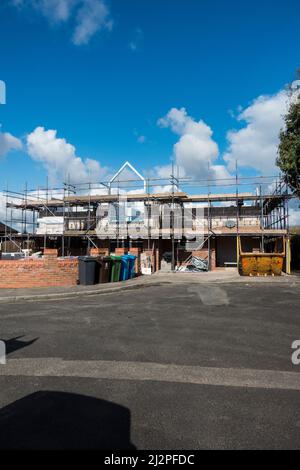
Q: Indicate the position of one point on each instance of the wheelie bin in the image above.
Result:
(105, 269)
(132, 272)
(125, 263)
(88, 270)
(115, 268)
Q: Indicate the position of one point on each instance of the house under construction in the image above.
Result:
(171, 219)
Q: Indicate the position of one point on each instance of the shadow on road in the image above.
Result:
(14, 344)
(58, 420)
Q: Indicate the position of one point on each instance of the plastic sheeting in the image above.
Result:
(196, 265)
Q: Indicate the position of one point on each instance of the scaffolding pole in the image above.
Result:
(208, 219)
(273, 208)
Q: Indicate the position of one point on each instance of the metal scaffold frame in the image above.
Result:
(23, 208)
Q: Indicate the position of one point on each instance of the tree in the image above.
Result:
(288, 158)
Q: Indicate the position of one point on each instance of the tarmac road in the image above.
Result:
(180, 366)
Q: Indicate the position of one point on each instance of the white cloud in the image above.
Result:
(93, 16)
(60, 159)
(89, 16)
(163, 172)
(195, 149)
(220, 172)
(294, 212)
(294, 217)
(8, 143)
(141, 139)
(255, 145)
(12, 217)
(162, 189)
(55, 10)
(134, 45)
(2, 207)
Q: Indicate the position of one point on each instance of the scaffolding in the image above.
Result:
(77, 205)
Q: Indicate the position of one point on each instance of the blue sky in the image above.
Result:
(105, 91)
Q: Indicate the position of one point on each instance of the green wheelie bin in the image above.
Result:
(115, 268)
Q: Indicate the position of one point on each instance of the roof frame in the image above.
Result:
(128, 165)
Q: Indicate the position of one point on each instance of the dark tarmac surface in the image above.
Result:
(229, 326)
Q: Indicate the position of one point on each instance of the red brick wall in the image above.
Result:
(99, 252)
(45, 272)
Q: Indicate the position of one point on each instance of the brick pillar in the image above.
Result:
(121, 251)
(151, 253)
(99, 252)
(204, 255)
(136, 252)
(50, 253)
(213, 260)
(157, 259)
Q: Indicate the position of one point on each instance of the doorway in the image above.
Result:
(226, 251)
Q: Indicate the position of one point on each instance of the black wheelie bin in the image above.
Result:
(88, 270)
